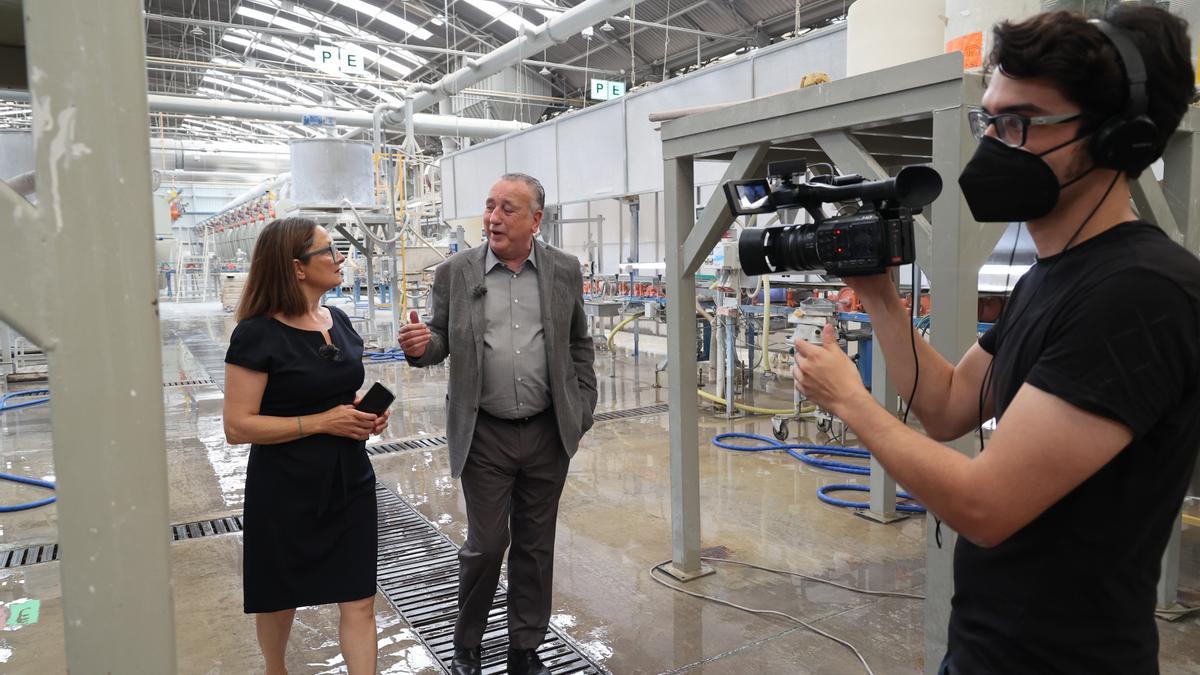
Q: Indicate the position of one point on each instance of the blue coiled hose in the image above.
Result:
(37, 396)
(27, 481)
(393, 354)
(42, 396)
(812, 455)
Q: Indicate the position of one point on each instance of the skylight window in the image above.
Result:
(379, 14)
(338, 26)
(273, 19)
(506, 15)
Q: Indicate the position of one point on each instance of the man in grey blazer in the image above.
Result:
(522, 392)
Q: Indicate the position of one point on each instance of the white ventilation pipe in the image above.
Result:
(424, 125)
(528, 41)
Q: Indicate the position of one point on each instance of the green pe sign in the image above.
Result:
(603, 90)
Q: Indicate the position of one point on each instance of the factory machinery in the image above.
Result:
(380, 204)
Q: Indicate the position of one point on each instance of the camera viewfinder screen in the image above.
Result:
(753, 196)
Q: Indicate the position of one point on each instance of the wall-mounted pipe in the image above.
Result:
(423, 124)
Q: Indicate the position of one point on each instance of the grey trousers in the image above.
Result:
(513, 478)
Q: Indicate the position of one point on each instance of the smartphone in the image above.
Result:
(377, 400)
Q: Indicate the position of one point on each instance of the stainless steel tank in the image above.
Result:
(327, 170)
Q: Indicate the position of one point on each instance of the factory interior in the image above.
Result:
(145, 145)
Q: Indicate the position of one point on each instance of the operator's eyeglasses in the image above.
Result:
(1011, 128)
(330, 249)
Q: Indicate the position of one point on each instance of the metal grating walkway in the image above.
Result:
(631, 412)
(418, 574)
(194, 382)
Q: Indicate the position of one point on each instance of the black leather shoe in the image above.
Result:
(467, 661)
(525, 662)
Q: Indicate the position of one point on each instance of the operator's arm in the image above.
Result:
(1042, 449)
(947, 398)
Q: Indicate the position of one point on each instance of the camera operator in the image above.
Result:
(1092, 371)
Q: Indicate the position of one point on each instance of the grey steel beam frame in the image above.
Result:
(933, 88)
(100, 332)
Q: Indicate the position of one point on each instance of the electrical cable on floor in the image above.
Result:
(752, 610)
(885, 594)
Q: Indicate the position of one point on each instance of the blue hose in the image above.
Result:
(824, 490)
(42, 394)
(393, 354)
(811, 454)
(27, 481)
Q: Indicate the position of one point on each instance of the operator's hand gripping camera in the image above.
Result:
(877, 236)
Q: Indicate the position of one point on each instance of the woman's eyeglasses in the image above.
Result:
(330, 249)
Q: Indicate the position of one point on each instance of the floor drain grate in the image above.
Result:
(206, 528)
(631, 412)
(425, 443)
(30, 555)
(189, 383)
(418, 574)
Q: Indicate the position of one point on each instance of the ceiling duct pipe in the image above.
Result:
(528, 41)
(423, 124)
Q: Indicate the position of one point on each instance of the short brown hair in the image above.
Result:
(272, 288)
(1078, 59)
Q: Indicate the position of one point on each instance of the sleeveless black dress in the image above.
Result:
(310, 523)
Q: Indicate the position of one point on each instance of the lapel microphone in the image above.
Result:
(479, 291)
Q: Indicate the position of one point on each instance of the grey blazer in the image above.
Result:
(457, 329)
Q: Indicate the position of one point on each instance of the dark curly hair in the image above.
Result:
(1065, 49)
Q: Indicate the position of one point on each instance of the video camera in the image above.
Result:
(877, 236)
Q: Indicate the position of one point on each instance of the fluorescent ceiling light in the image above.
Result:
(379, 14)
(273, 19)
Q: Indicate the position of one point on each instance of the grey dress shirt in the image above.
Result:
(515, 381)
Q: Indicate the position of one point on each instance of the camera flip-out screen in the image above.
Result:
(749, 196)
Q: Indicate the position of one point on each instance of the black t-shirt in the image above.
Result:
(1111, 327)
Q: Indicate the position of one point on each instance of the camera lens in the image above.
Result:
(774, 249)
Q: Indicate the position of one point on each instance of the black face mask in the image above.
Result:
(1003, 184)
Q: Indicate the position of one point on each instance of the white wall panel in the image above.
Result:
(449, 208)
(781, 70)
(591, 156)
(475, 171)
(533, 152)
(720, 85)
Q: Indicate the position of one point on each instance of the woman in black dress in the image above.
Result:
(291, 376)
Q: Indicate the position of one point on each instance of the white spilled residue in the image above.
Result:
(63, 149)
(597, 646)
(563, 621)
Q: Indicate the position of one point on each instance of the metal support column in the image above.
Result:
(101, 337)
(681, 370)
(958, 250)
(883, 486)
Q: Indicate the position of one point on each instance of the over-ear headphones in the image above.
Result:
(1128, 141)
